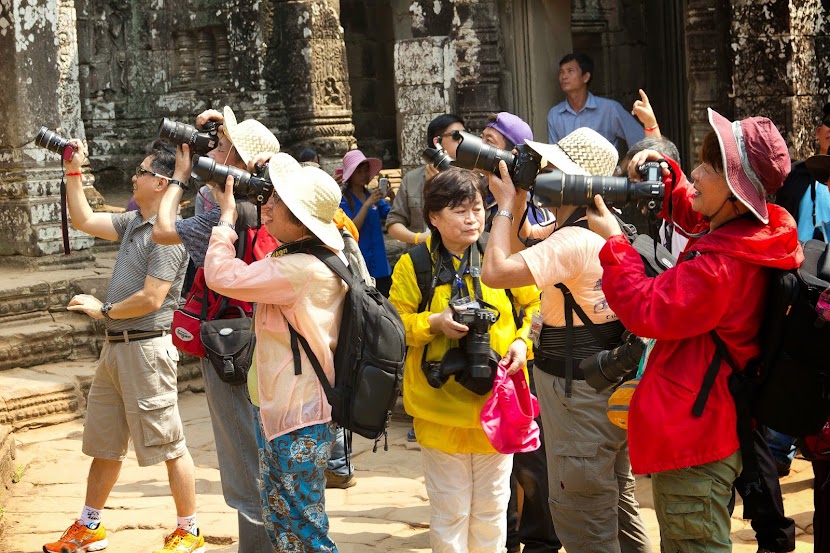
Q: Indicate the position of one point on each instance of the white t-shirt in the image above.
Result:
(570, 256)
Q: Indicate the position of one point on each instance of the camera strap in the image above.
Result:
(64, 216)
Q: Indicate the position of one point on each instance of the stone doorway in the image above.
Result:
(370, 40)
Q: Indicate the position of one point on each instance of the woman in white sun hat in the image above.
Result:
(295, 433)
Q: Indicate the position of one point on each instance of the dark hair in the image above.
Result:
(163, 153)
(661, 145)
(451, 188)
(292, 218)
(710, 152)
(307, 154)
(493, 118)
(826, 109)
(585, 63)
(438, 125)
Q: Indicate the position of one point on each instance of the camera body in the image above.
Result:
(477, 341)
(609, 367)
(257, 188)
(200, 141)
(54, 142)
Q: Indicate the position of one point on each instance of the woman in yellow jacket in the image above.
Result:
(467, 481)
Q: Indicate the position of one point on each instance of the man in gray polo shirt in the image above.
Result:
(133, 394)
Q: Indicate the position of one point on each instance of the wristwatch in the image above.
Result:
(180, 184)
(225, 224)
(504, 213)
(105, 309)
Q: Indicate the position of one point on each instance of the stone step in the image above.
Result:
(56, 392)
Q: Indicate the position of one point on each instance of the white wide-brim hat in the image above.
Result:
(583, 152)
(313, 197)
(250, 137)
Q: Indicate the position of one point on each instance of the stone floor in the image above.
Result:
(386, 512)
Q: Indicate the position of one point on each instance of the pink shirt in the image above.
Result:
(297, 287)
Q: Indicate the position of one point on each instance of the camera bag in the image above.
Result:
(203, 304)
(229, 346)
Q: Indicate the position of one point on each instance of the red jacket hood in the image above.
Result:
(773, 245)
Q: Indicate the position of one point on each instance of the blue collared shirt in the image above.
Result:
(605, 116)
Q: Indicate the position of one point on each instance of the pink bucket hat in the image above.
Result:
(353, 158)
(755, 159)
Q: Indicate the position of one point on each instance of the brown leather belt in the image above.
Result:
(128, 336)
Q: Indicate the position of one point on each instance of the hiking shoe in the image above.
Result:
(342, 481)
(410, 436)
(182, 541)
(79, 538)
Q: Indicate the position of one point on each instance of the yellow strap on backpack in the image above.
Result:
(619, 401)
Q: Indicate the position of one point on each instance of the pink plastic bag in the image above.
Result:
(507, 416)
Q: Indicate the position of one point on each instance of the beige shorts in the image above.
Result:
(134, 396)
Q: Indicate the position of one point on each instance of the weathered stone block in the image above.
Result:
(413, 137)
(760, 17)
(760, 66)
(421, 61)
(28, 397)
(422, 98)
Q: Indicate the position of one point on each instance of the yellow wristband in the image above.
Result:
(417, 238)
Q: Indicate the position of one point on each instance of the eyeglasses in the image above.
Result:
(446, 135)
(141, 170)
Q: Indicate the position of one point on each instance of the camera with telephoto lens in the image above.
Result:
(608, 367)
(553, 188)
(200, 141)
(54, 142)
(474, 153)
(437, 157)
(257, 188)
(477, 341)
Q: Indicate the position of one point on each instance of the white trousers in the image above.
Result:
(468, 495)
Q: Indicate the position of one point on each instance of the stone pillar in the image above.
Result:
(421, 92)
(477, 60)
(707, 44)
(308, 67)
(38, 86)
(780, 66)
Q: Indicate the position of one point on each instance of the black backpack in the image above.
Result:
(792, 390)
(369, 358)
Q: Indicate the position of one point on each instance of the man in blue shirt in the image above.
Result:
(583, 109)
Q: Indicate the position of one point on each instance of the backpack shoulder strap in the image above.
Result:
(422, 264)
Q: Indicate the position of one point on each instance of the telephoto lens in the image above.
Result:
(200, 142)
(608, 367)
(437, 157)
(474, 153)
(555, 188)
(255, 188)
(54, 143)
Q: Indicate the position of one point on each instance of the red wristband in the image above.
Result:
(654, 128)
(75, 174)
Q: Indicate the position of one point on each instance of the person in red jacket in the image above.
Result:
(718, 285)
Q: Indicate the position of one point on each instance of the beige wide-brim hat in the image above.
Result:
(313, 197)
(583, 152)
(250, 137)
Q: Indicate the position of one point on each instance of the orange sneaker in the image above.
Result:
(79, 538)
(182, 541)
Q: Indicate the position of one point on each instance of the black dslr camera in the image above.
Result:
(554, 188)
(609, 367)
(54, 143)
(477, 341)
(472, 363)
(200, 141)
(257, 188)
